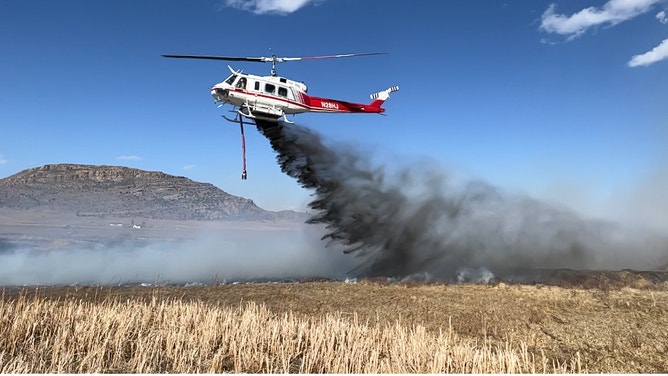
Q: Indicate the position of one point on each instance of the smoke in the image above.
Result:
(412, 223)
(208, 258)
(419, 220)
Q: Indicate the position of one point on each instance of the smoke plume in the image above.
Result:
(223, 257)
(400, 224)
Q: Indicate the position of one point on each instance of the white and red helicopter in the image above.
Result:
(267, 100)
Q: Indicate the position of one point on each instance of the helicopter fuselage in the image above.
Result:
(271, 97)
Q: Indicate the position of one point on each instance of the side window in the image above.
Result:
(269, 88)
(283, 92)
(257, 85)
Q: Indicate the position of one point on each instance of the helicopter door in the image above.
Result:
(241, 84)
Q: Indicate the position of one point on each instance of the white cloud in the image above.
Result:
(269, 6)
(657, 53)
(613, 12)
(189, 166)
(129, 158)
(662, 17)
(2, 160)
(547, 41)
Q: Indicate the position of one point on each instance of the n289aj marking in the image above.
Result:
(330, 105)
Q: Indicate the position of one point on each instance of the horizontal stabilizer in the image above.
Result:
(383, 95)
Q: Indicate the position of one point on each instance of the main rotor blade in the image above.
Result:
(228, 58)
(274, 59)
(332, 56)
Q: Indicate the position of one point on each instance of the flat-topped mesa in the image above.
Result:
(56, 173)
(126, 192)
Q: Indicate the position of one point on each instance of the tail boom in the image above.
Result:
(317, 104)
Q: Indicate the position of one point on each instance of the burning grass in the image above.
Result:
(333, 327)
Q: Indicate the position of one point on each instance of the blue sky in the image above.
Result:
(562, 100)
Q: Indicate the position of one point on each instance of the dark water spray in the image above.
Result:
(406, 223)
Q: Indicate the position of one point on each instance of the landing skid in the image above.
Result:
(253, 114)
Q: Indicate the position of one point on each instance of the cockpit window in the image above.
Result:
(231, 79)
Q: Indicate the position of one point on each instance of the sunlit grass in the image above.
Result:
(38, 335)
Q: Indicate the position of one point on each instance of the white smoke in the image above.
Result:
(262, 255)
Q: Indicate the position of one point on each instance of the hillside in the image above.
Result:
(114, 191)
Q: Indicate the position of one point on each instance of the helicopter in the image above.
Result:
(267, 100)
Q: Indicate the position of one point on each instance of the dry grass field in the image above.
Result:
(368, 327)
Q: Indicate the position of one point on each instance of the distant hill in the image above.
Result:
(116, 191)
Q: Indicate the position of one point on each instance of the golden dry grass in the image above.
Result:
(334, 327)
(49, 336)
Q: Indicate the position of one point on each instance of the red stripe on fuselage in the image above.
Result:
(317, 104)
(301, 104)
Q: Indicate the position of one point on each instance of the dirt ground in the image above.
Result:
(616, 322)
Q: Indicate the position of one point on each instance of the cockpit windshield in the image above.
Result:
(231, 79)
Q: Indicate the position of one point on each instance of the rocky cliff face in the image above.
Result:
(127, 192)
